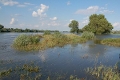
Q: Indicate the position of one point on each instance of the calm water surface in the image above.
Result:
(59, 61)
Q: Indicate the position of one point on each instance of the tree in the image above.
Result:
(74, 26)
(98, 24)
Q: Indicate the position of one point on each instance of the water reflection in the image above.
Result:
(43, 57)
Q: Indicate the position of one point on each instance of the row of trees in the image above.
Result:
(2, 29)
(98, 24)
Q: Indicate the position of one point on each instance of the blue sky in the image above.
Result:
(56, 14)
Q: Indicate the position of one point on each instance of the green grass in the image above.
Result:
(111, 42)
(38, 42)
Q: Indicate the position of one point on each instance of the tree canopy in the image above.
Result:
(74, 26)
(98, 24)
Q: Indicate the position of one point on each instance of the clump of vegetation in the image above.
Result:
(25, 72)
(104, 73)
(97, 41)
(24, 40)
(111, 41)
(88, 35)
(47, 32)
(37, 42)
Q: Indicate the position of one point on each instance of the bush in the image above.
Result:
(47, 32)
(24, 40)
(88, 35)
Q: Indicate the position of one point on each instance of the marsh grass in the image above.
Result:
(111, 42)
(104, 73)
(24, 72)
(88, 35)
(24, 40)
(38, 42)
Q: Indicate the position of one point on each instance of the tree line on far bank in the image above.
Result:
(98, 24)
(3, 29)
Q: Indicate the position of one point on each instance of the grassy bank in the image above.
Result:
(41, 42)
(111, 42)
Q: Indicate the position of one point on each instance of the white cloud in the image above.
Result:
(53, 23)
(106, 11)
(41, 11)
(89, 10)
(34, 14)
(93, 9)
(116, 24)
(8, 2)
(68, 3)
(85, 22)
(71, 20)
(13, 21)
(18, 15)
(26, 3)
(21, 5)
(54, 18)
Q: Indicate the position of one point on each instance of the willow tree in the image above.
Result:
(98, 24)
(74, 26)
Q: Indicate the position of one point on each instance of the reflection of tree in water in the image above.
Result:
(94, 49)
(42, 56)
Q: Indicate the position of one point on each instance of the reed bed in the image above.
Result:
(111, 42)
(104, 73)
(41, 42)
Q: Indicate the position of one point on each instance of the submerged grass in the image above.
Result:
(111, 42)
(38, 42)
(104, 73)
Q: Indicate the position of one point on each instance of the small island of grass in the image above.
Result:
(47, 40)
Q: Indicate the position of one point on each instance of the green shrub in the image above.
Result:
(24, 40)
(47, 32)
(88, 35)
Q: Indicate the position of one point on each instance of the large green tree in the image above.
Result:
(74, 26)
(98, 24)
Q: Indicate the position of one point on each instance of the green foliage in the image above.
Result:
(88, 35)
(1, 26)
(111, 41)
(98, 24)
(24, 40)
(74, 26)
(47, 32)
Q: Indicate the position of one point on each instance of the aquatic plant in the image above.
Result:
(88, 35)
(25, 72)
(104, 73)
(111, 41)
(97, 41)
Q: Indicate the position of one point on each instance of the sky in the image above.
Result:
(56, 14)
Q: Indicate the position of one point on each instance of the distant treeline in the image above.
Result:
(115, 32)
(2, 29)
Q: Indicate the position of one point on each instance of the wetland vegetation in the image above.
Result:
(79, 55)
